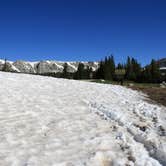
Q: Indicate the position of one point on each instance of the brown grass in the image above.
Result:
(156, 94)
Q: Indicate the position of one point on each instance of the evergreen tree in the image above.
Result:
(106, 69)
(80, 71)
(88, 74)
(136, 69)
(146, 75)
(128, 68)
(99, 74)
(155, 73)
(133, 69)
(151, 73)
(120, 66)
(65, 72)
(109, 68)
(107, 72)
(112, 66)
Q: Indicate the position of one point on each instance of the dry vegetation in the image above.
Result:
(157, 94)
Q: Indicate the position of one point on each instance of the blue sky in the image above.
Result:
(82, 30)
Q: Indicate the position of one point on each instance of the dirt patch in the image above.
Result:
(157, 94)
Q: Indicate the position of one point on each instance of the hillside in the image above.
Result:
(46, 121)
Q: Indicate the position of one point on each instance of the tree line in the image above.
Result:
(108, 70)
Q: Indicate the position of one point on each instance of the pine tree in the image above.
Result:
(99, 74)
(80, 71)
(137, 70)
(151, 73)
(133, 69)
(146, 75)
(120, 66)
(88, 73)
(155, 73)
(106, 69)
(65, 72)
(128, 69)
(112, 66)
(107, 72)
(109, 68)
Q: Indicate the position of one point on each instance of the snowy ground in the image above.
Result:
(56, 122)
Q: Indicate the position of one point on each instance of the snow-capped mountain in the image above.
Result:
(44, 66)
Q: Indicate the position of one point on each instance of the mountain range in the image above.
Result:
(50, 66)
(43, 67)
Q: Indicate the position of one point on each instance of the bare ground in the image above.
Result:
(156, 94)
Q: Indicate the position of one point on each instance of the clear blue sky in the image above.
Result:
(82, 30)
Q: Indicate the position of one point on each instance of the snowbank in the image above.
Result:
(56, 122)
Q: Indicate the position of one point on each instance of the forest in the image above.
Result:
(108, 70)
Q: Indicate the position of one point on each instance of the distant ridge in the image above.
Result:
(42, 67)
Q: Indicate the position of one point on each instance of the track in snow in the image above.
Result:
(47, 121)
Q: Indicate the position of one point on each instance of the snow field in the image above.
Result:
(46, 121)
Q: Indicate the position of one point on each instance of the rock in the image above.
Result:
(162, 131)
(163, 84)
(24, 67)
(8, 68)
(101, 159)
(142, 126)
(131, 158)
(131, 84)
(48, 67)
